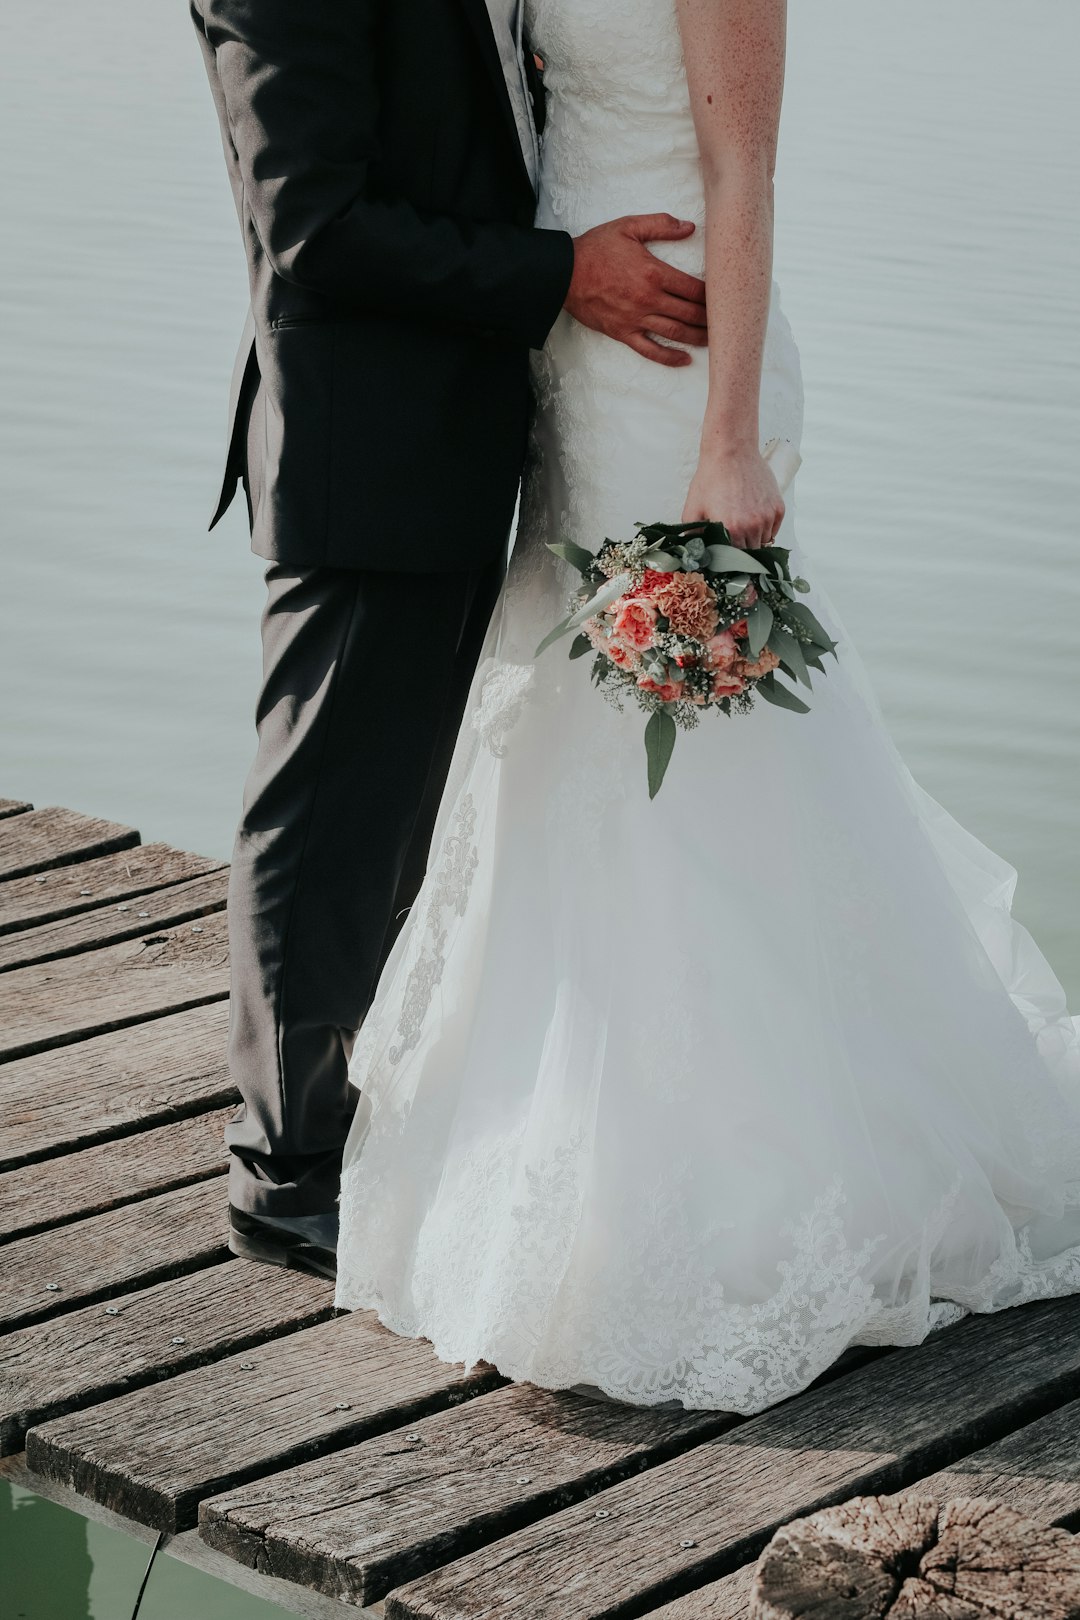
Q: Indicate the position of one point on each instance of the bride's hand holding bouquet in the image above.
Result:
(682, 618)
(738, 488)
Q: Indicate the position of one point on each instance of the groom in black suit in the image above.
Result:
(383, 157)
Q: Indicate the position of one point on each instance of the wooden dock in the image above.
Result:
(315, 1458)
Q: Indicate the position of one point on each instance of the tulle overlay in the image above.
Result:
(680, 1099)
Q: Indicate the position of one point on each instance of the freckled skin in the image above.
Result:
(734, 52)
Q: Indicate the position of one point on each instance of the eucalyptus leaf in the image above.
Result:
(579, 646)
(759, 622)
(801, 584)
(771, 689)
(581, 559)
(596, 604)
(736, 585)
(785, 645)
(732, 559)
(552, 636)
(660, 733)
(800, 611)
(663, 562)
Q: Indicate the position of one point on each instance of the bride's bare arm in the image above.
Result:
(734, 51)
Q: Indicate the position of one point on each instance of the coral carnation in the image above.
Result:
(666, 691)
(752, 669)
(689, 605)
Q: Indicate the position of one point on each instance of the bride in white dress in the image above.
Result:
(678, 1099)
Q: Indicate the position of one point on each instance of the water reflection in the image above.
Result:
(45, 1563)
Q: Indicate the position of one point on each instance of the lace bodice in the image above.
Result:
(620, 136)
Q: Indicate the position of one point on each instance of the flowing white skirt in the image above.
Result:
(679, 1099)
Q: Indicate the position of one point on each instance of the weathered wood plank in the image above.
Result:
(157, 1453)
(129, 919)
(1035, 1470)
(39, 1196)
(357, 1523)
(110, 880)
(114, 1084)
(89, 1355)
(14, 807)
(35, 840)
(726, 1599)
(56, 1003)
(132, 1246)
(695, 1518)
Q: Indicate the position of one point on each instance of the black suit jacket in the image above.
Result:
(380, 402)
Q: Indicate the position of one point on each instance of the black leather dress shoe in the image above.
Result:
(255, 1237)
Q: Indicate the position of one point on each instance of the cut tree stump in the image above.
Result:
(908, 1558)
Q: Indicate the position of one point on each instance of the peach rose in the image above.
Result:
(666, 691)
(635, 622)
(621, 656)
(752, 669)
(740, 630)
(721, 651)
(726, 683)
(689, 604)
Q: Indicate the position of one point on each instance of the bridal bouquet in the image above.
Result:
(681, 621)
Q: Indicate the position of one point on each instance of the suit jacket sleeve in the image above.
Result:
(298, 100)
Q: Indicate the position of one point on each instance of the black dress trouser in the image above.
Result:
(365, 679)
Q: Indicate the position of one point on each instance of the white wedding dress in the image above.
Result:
(679, 1099)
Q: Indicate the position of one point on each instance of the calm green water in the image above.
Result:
(55, 1565)
(929, 252)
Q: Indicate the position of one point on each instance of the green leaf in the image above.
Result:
(732, 559)
(784, 644)
(736, 585)
(770, 688)
(800, 611)
(813, 659)
(660, 736)
(579, 646)
(759, 622)
(663, 562)
(801, 584)
(608, 593)
(581, 559)
(552, 636)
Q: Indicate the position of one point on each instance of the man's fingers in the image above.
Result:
(658, 228)
(681, 310)
(677, 331)
(677, 284)
(641, 344)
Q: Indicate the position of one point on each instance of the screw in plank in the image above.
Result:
(41, 880)
(52, 1288)
(687, 1543)
(343, 1406)
(144, 914)
(602, 1513)
(412, 1437)
(112, 1310)
(86, 891)
(196, 930)
(178, 1338)
(524, 1479)
(123, 908)
(247, 1366)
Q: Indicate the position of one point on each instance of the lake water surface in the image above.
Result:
(929, 253)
